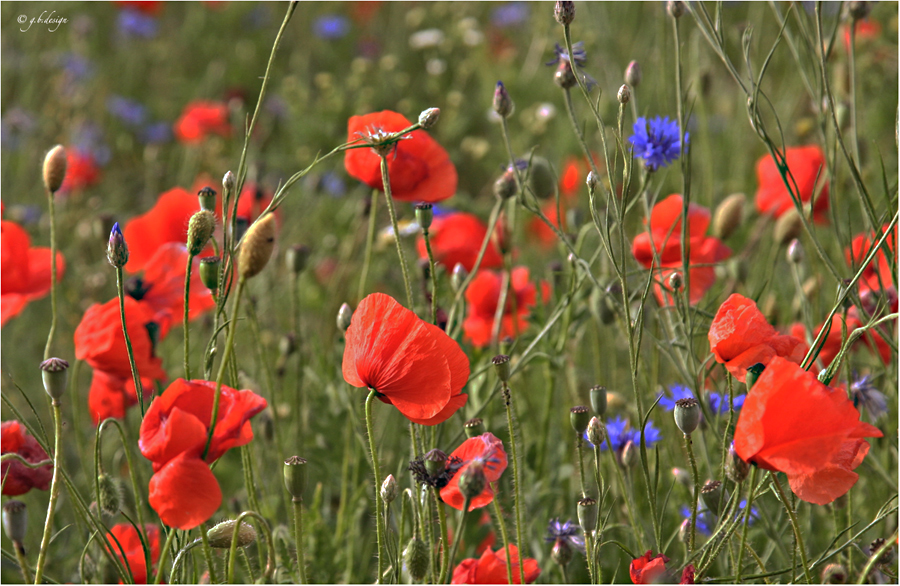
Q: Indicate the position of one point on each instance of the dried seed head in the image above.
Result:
(564, 12)
(435, 462)
(257, 247)
(55, 168)
(633, 74)
(729, 215)
(200, 228)
(220, 535)
(54, 377)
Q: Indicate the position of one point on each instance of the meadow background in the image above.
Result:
(112, 80)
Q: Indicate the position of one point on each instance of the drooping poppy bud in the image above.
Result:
(200, 228)
(221, 534)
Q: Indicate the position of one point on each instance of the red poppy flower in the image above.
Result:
(831, 347)
(545, 235)
(807, 165)
(201, 118)
(485, 450)
(792, 423)
(483, 295)
(419, 168)
(490, 568)
(82, 171)
(183, 490)
(687, 576)
(149, 7)
(866, 30)
(24, 271)
(878, 273)
(457, 238)
(740, 336)
(18, 478)
(163, 282)
(648, 569)
(130, 542)
(166, 222)
(664, 238)
(412, 364)
(111, 395)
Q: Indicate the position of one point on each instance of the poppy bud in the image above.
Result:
(287, 345)
(424, 216)
(472, 480)
(859, 9)
(505, 185)
(687, 415)
(676, 281)
(598, 399)
(416, 558)
(624, 95)
(295, 477)
(579, 418)
(15, 520)
(729, 215)
(110, 494)
(684, 531)
(207, 197)
(257, 247)
(633, 74)
(788, 226)
(710, 494)
(753, 373)
(591, 180)
(389, 489)
(564, 13)
(429, 117)
(564, 76)
(629, 454)
(55, 168)
(228, 183)
(834, 574)
(117, 249)
(541, 179)
(474, 427)
(435, 462)
(595, 431)
(209, 272)
(296, 257)
(795, 252)
(501, 365)
(503, 104)
(675, 8)
(54, 376)
(561, 552)
(587, 514)
(220, 535)
(736, 469)
(200, 228)
(458, 277)
(344, 315)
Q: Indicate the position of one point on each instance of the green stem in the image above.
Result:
(570, 109)
(516, 479)
(854, 136)
(207, 551)
(52, 332)
(163, 555)
(370, 244)
(579, 445)
(386, 180)
(249, 481)
(794, 524)
(138, 504)
(588, 555)
(442, 519)
(377, 471)
(433, 277)
(54, 492)
(747, 509)
(187, 332)
(459, 533)
(298, 538)
(23, 561)
(503, 533)
(120, 286)
(695, 477)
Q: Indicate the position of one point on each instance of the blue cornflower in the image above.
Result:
(658, 146)
(157, 133)
(331, 27)
(864, 393)
(332, 184)
(678, 392)
(130, 112)
(510, 14)
(619, 432)
(718, 403)
(578, 57)
(568, 531)
(77, 68)
(133, 23)
(15, 126)
(706, 520)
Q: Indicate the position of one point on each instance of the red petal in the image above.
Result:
(185, 492)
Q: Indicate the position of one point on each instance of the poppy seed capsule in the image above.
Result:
(579, 418)
(207, 198)
(501, 365)
(598, 399)
(503, 104)
(736, 469)
(55, 168)
(296, 257)
(54, 377)
(209, 272)
(257, 247)
(221, 534)
(564, 13)
(633, 74)
(788, 226)
(15, 520)
(117, 248)
(587, 514)
(429, 117)
(424, 215)
(435, 462)
(472, 480)
(344, 316)
(687, 415)
(295, 477)
(416, 558)
(753, 373)
(200, 228)
(624, 95)
(389, 489)
(710, 494)
(474, 427)
(729, 215)
(595, 431)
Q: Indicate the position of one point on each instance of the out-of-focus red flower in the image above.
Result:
(483, 295)
(490, 568)
(412, 364)
(166, 222)
(866, 30)
(200, 119)
(484, 450)
(648, 569)
(664, 238)
(807, 166)
(111, 395)
(419, 168)
(183, 490)
(130, 542)
(878, 273)
(541, 231)
(457, 238)
(18, 478)
(150, 7)
(364, 12)
(831, 346)
(82, 171)
(490, 538)
(740, 336)
(687, 576)
(163, 283)
(792, 423)
(24, 270)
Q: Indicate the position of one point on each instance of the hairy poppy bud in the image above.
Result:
(429, 117)
(110, 494)
(633, 74)
(710, 494)
(541, 179)
(209, 272)
(54, 377)
(474, 427)
(598, 399)
(389, 489)
(295, 477)
(55, 168)
(221, 534)
(296, 257)
(624, 95)
(416, 558)
(117, 249)
(579, 418)
(687, 415)
(424, 215)
(435, 462)
(207, 197)
(200, 228)
(257, 247)
(736, 469)
(595, 431)
(15, 520)
(587, 514)
(344, 315)
(503, 104)
(729, 215)
(788, 226)
(564, 12)
(501, 365)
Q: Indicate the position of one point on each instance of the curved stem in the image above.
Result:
(386, 180)
(370, 244)
(794, 524)
(54, 493)
(459, 533)
(298, 538)
(120, 286)
(52, 331)
(207, 551)
(379, 529)
(187, 332)
(516, 479)
(270, 560)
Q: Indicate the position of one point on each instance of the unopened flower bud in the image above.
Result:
(629, 454)
(834, 574)
(207, 197)
(416, 558)
(344, 315)
(435, 462)
(684, 531)
(541, 179)
(110, 494)
(501, 365)
(710, 494)
(561, 552)
(424, 215)
(788, 226)
(736, 469)
(55, 168)
(474, 427)
(859, 9)
(15, 520)
(675, 8)
(682, 476)
(564, 76)
(729, 215)
(633, 74)
(505, 186)
(257, 247)
(587, 514)
(503, 104)
(579, 418)
(472, 480)
(429, 117)
(624, 95)
(795, 252)
(564, 12)
(595, 431)
(389, 489)
(687, 415)
(228, 182)
(458, 277)
(676, 281)
(598, 399)
(295, 477)
(296, 257)
(591, 180)
(54, 377)
(753, 373)
(200, 228)
(117, 249)
(221, 534)
(209, 272)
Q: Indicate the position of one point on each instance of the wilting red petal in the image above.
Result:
(457, 238)
(127, 537)
(807, 166)
(488, 451)
(184, 492)
(648, 569)
(490, 568)
(111, 395)
(18, 478)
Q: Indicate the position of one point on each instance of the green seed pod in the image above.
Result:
(598, 399)
(753, 373)
(345, 314)
(474, 427)
(296, 257)
(710, 494)
(587, 514)
(200, 228)
(221, 534)
(207, 197)
(579, 418)
(424, 215)
(295, 477)
(55, 164)
(687, 415)
(110, 495)
(209, 272)
(417, 559)
(472, 480)
(736, 470)
(15, 520)
(54, 377)
(501, 365)
(541, 179)
(435, 462)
